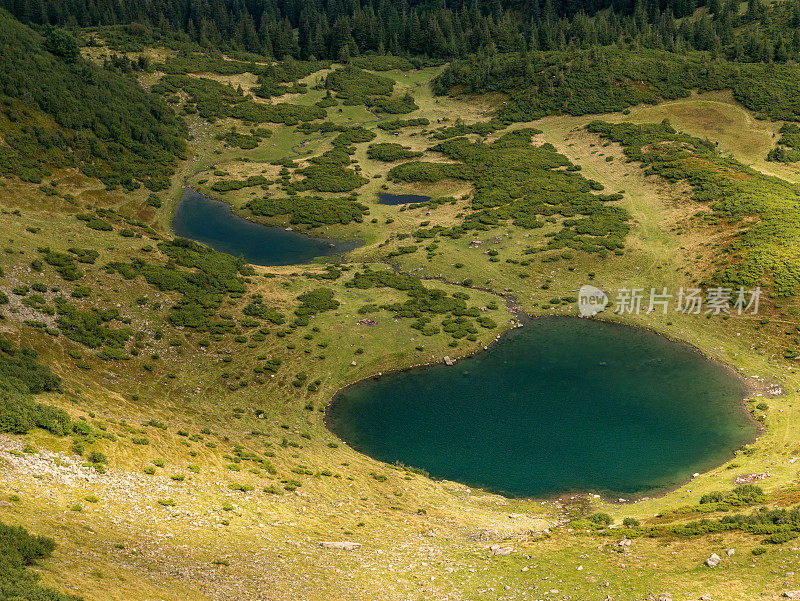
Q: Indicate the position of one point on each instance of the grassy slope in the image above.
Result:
(271, 540)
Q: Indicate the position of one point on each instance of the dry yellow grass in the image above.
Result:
(271, 541)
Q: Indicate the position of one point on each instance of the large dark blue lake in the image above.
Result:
(214, 223)
(560, 405)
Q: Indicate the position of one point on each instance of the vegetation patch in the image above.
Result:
(330, 176)
(423, 304)
(788, 149)
(766, 209)
(310, 210)
(212, 100)
(356, 86)
(517, 181)
(396, 124)
(18, 551)
(605, 80)
(394, 106)
(226, 185)
(390, 152)
(22, 376)
(203, 276)
(248, 141)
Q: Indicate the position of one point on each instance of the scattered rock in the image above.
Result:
(750, 478)
(712, 561)
(624, 543)
(367, 322)
(705, 598)
(342, 545)
(664, 597)
(730, 552)
(498, 550)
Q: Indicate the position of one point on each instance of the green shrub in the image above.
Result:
(356, 86)
(20, 375)
(19, 550)
(765, 209)
(396, 124)
(602, 519)
(310, 210)
(390, 152)
(98, 121)
(97, 457)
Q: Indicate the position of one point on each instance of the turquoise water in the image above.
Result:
(385, 198)
(560, 405)
(213, 223)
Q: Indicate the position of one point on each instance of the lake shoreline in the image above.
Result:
(187, 225)
(521, 319)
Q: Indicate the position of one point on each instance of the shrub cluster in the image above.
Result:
(517, 181)
(390, 152)
(609, 79)
(423, 304)
(310, 210)
(21, 376)
(203, 276)
(766, 210)
(788, 149)
(19, 550)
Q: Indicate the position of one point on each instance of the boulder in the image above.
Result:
(730, 552)
(498, 550)
(791, 594)
(341, 545)
(712, 561)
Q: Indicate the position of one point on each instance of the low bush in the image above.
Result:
(18, 551)
(390, 152)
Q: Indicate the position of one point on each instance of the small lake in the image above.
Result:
(559, 405)
(385, 198)
(212, 222)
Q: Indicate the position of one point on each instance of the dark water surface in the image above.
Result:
(385, 198)
(562, 404)
(213, 222)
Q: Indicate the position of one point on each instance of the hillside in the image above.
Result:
(163, 403)
(59, 110)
